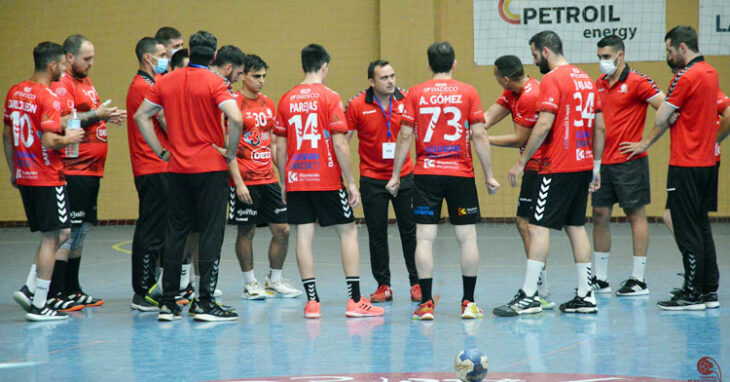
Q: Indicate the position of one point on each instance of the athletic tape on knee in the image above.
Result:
(77, 237)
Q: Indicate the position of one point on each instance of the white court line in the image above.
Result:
(13, 365)
(595, 380)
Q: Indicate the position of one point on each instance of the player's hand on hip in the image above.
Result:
(353, 195)
(243, 194)
(492, 185)
(514, 174)
(393, 185)
(632, 149)
(223, 151)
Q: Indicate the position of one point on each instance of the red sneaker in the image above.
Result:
(312, 309)
(424, 311)
(416, 295)
(362, 309)
(382, 294)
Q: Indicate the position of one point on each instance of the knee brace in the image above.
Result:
(77, 238)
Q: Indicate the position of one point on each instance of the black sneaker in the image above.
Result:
(685, 300)
(84, 299)
(139, 303)
(213, 312)
(710, 300)
(677, 291)
(45, 313)
(600, 286)
(24, 298)
(632, 287)
(586, 304)
(520, 304)
(63, 304)
(194, 308)
(169, 312)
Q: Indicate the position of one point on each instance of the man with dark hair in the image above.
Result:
(625, 94)
(569, 170)
(150, 175)
(690, 190)
(32, 133)
(180, 59)
(257, 183)
(228, 63)
(519, 98)
(447, 118)
(84, 166)
(312, 155)
(376, 115)
(171, 38)
(198, 163)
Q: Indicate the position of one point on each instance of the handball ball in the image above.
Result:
(471, 365)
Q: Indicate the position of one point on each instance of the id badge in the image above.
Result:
(389, 150)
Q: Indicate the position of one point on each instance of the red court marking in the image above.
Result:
(449, 377)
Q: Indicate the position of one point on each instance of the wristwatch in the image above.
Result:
(162, 153)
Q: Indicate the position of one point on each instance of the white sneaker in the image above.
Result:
(217, 293)
(281, 288)
(253, 291)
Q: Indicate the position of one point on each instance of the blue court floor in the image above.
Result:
(629, 339)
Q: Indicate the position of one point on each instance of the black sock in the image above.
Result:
(72, 276)
(353, 288)
(425, 289)
(311, 288)
(470, 282)
(58, 280)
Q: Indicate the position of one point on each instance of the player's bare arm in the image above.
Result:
(235, 127)
(517, 139)
(57, 141)
(342, 150)
(480, 140)
(599, 140)
(495, 114)
(8, 147)
(539, 133)
(724, 126)
(661, 124)
(143, 118)
(402, 145)
(281, 158)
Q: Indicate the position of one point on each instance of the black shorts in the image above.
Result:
(460, 194)
(524, 203)
(624, 183)
(327, 207)
(46, 207)
(560, 199)
(83, 192)
(267, 207)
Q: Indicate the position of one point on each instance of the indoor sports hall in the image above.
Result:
(629, 339)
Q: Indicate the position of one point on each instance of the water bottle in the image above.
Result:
(72, 150)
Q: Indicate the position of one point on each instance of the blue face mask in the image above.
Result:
(161, 66)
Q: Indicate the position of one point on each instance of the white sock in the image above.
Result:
(600, 259)
(542, 285)
(584, 274)
(248, 277)
(159, 279)
(197, 285)
(532, 274)
(274, 275)
(185, 276)
(41, 293)
(32, 275)
(639, 267)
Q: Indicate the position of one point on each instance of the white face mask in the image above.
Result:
(608, 67)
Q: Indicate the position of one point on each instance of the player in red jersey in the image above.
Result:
(150, 175)
(519, 98)
(193, 99)
(569, 169)
(447, 118)
(312, 155)
(375, 114)
(257, 182)
(625, 95)
(172, 39)
(690, 190)
(84, 171)
(32, 133)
